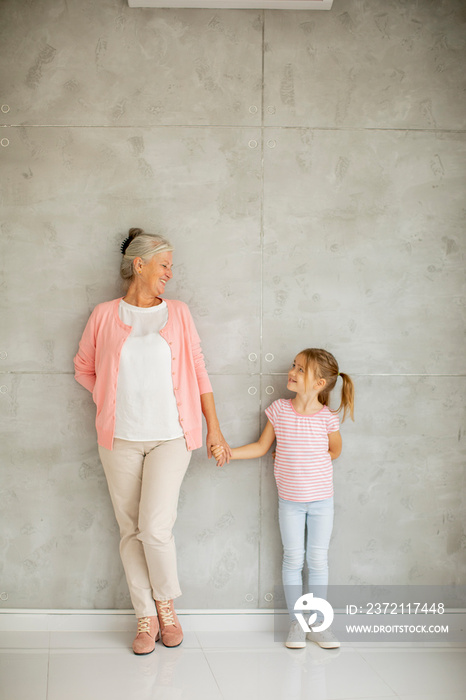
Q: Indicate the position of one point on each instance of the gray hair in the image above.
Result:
(140, 244)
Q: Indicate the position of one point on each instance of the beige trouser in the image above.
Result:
(144, 480)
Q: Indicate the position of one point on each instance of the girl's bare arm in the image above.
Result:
(334, 444)
(254, 449)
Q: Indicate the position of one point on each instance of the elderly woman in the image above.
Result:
(141, 358)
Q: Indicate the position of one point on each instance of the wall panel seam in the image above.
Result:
(250, 374)
(261, 302)
(398, 129)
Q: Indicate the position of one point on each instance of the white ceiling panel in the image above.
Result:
(238, 4)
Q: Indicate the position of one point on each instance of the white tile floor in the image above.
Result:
(221, 666)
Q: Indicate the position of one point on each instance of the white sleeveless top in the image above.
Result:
(146, 407)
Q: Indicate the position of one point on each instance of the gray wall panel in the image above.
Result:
(367, 64)
(63, 215)
(75, 62)
(400, 481)
(364, 249)
(59, 537)
(271, 559)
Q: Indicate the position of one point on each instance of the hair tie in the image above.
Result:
(125, 244)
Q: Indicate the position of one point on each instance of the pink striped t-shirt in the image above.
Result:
(303, 468)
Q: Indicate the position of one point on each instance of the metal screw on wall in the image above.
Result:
(4, 143)
(252, 390)
(3, 596)
(253, 109)
(3, 355)
(268, 597)
(249, 597)
(252, 357)
(5, 109)
(252, 143)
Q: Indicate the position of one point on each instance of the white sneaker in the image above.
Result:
(296, 636)
(326, 639)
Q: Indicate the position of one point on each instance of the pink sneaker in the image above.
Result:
(170, 628)
(148, 634)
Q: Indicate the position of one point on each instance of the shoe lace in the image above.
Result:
(144, 625)
(166, 612)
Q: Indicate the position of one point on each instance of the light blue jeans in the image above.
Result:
(297, 520)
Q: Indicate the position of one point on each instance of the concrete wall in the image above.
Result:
(310, 169)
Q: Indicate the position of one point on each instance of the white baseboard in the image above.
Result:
(20, 620)
(124, 620)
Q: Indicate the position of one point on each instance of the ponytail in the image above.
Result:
(347, 396)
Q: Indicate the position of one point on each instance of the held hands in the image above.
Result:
(216, 441)
(219, 454)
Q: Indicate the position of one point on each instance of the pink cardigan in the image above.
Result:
(98, 358)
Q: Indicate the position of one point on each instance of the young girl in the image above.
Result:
(308, 439)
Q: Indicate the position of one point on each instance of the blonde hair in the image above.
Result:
(325, 367)
(139, 244)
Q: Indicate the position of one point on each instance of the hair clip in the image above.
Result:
(125, 244)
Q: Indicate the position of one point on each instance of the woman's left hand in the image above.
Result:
(216, 438)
